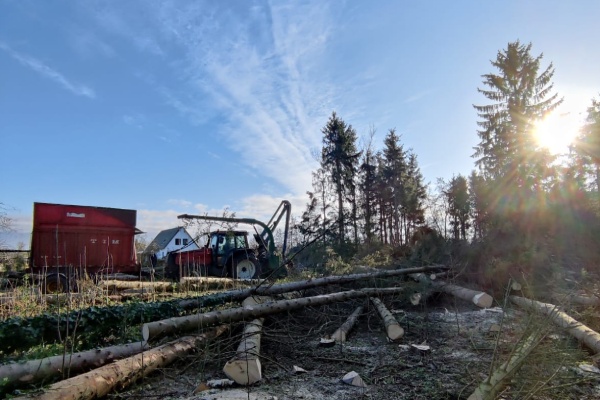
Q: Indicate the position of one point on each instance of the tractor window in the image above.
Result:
(240, 242)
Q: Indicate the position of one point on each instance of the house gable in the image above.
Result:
(171, 240)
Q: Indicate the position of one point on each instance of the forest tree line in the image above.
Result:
(522, 210)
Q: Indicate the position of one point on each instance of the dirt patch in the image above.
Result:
(463, 343)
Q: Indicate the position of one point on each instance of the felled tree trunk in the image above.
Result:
(245, 367)
(101, 381)
(392, 327)
(480, 299)
(267, 290)
(578, 330)
(123, 285)
(20, 374)
(577, 299)
(188, 323)
(341, 333)
(489, 389)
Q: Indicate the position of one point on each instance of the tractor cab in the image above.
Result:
(224, 243)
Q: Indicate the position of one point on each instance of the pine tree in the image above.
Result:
(415, 193)
(368, 190)
(587, 144)
(460, 206)
(393, 174)
(521, 96)
(339, 159)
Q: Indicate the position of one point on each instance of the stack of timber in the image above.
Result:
(100, 381)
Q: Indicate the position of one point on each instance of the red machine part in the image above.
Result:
(96, 239)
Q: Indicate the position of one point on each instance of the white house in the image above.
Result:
(170, 240)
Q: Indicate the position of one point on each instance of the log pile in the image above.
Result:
(245, 366)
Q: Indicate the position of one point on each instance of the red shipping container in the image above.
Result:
(94, 239)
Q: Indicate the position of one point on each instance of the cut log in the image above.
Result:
(101, 381)
(515, 286)
(341, 333)
(245, 368)
(155, 329)
(392, 327)
(113, 285)
(489, 389)
(415, 298)
(480, 299)
(578, 330)
(577, 299)
(20, 374)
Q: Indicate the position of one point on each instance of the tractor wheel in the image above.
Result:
(245, 267)
(55, 283)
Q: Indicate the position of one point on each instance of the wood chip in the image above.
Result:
(352, 378)
(299, 370)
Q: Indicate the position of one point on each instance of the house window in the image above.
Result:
(185, 242)
(177, 242)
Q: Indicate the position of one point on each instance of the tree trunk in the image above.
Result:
(101, 381)
(576, 299)
(480, 299)
(116, 285)
(245, 368)
(20, 374)
(188, 323)
(392, 327)
(240, 294)
(578, 330)
(489, 388)
(341, 333)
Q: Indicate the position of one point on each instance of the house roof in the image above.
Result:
(164, 238)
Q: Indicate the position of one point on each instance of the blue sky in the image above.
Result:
(179, 106)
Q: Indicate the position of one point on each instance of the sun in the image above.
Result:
(557, 131)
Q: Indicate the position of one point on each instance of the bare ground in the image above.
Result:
(464, 340)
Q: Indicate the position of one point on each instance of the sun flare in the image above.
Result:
(556, 132)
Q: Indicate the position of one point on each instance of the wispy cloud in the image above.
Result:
(135, 120)
(256, 67)
(417, 96)
(47, 72)
(131, 28)
(88, 44)
(180, 202)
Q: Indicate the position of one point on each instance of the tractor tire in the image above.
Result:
(55, 283)
(245, 267)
